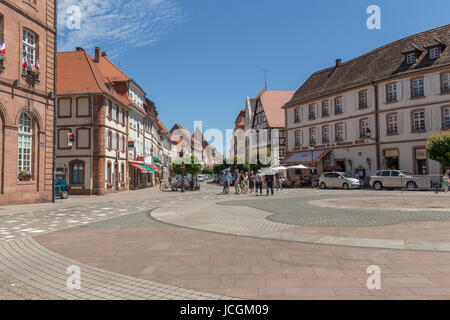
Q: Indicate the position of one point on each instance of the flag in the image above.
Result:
(3, 48)
(25, 63)
(37, 64)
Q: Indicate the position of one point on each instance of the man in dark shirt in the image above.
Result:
(269, 177)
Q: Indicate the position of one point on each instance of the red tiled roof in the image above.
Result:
(381, 63)
(78, 75)
(273, 102)
(162, 125)
(110, 70)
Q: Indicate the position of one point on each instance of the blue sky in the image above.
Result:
(200, 59)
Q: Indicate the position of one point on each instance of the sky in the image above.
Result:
(198, 60)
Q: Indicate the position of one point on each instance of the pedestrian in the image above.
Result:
(269, 178)
(446, 181)
(278, 181)
(226, 182)
(251, 181)
(258, 182)
(243, 182)
(247, 183)
(237, 182)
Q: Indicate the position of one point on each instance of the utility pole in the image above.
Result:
(265, 77)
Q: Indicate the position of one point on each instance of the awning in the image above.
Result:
(150, 170)
(141, 168)
(306, 156)
(154, 168)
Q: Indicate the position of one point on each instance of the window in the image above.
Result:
(435, 53)
(297, 115)
(339, 132)
(114, 141)
(364, 128)
(411, 58)
(419, 121)
(124, 144)
(107, 107)
(325, 134)
(109, 173)
(77, 173)
(312, 111)
(122, 173)
(29, 47)
(393, 123)
(392, 92)
(417, 89)
(312, 136)
(325, 109)
(119, 138)
(446, 118)
(25, 144)
(445, 83)
(114, 112)
(120, 116)
(363, 99)
(108, 139)
(298, 138)
(338, 105)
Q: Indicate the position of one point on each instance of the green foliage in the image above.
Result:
(207, 171)
(192, 166)
(438, 147)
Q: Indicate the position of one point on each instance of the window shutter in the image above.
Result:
(399, 90)
(372, 131)
(332, 134)
(382, 92)
(344, 103)
(369, 97)
(427, 86)
(437, 84)
(437, 114)
(357, 127)
(428, 118)
(407, 89)
(345, 130)
(400, 122)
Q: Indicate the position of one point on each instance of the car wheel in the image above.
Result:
(64, 194)
(345, 186)
(378, 186)
(323, 186)
(411, 186)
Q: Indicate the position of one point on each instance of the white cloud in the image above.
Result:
(116, 25)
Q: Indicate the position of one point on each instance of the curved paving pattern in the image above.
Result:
(316, 213)
(28, 261)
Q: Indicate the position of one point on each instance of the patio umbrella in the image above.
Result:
(280, 168)
(300, 166)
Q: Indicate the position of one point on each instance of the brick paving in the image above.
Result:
(130, 255)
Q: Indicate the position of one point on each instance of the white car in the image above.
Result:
(201, 177)
(338, 180)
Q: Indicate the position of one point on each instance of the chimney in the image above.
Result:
(104, 54)
(97, 55)
(338, 62)
(79, 48)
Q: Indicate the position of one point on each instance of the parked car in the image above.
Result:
(201, 177)
(338, 180)
(62, 189)
(393, 179)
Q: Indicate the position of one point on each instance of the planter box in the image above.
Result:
(25, 178)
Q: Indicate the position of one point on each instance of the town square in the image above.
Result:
(160, 150)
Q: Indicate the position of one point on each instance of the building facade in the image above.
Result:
(376, 111)
(27, 105)
(92, 126)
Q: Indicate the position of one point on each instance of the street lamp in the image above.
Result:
(312, 143)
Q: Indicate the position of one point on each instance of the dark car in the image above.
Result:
(62, 189)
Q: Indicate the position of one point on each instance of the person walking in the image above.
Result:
(237, 182)
(258, 182)
(446, 181)
(243, 182)
(251, 181)
(247, 182)
(278, 181)
(226, 182)
(269, 178)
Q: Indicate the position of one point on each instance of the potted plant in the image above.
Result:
(24, 176)
(3, 59)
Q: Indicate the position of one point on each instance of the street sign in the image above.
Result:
(182, 167)
(313, 165)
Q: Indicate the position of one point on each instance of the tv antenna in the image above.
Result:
(265, 77)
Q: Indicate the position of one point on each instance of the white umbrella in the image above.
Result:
(300, 166)
(280, 168)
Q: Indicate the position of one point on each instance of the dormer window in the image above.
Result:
(411, 58)
(435, 53)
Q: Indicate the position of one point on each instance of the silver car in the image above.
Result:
(393, 179)
(338, 180)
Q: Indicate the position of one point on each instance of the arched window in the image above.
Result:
(25, 145)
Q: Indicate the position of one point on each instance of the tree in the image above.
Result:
(438, 147)
(191, 166)
(207, 171)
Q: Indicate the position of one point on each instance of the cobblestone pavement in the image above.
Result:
(124, 253)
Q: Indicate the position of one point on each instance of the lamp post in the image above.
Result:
(182, 177)
(312, 144)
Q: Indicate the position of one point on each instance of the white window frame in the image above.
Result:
(393, 123)
(418, 89)
(411, 58)
(298, 138)
(325, 134)
(325, 108)
(107, 105)
(445, 83)
(419, 121)
(364, 126)
(435, 53)
(339, 132)
(29, 46)
(338, 105)
(392, 92)
(297, 115)
(25, 144)
(446, 118)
